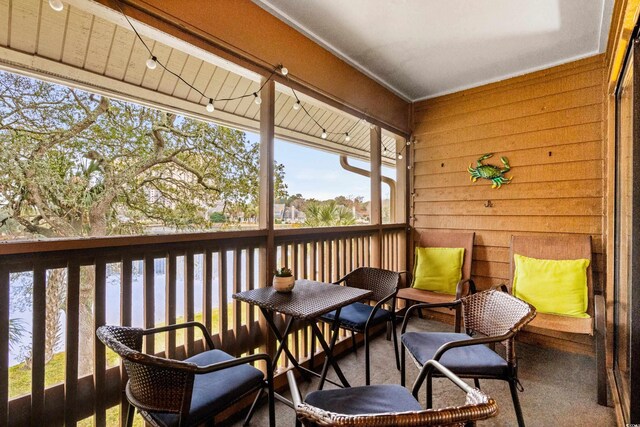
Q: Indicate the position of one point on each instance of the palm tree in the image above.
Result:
(16, 330)
(327, 214)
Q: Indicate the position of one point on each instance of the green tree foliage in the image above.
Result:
(325, 214)
(79, 164)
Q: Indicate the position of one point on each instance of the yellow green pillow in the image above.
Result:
(552, 286)
(438, 269)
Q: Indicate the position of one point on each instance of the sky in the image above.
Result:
(318, 174)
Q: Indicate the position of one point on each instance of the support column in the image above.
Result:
(267, 113)
(375, 205)
(265, 215)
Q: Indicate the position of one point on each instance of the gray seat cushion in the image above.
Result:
(471, 360)
(375, 399)
(355, 316)
(215, 391)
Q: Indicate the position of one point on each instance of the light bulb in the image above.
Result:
(284, 70)
(152, 63)
(258, 100)
(210, 107)
(400, 156)
(409, 167)
(324, 134)
(408, 142)
(347, 137)
(56, 5)
(296, 106)
(384, 150)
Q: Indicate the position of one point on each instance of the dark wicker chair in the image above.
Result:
(387, 405)
(497, 316)
(170, 392)
(360, 317)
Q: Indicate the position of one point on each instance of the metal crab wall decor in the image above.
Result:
(491, 172)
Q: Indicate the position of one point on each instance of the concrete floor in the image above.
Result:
(559, 387)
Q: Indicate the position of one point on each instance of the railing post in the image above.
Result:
(376, 194)
(267, 253)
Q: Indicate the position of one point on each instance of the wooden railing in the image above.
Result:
(151, 280)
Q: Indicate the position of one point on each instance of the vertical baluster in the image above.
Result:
(295, 262)
(38, 341)
(305, 260)
(349, 253)
(322, 265)
(336, 259)
(207, 294)
(4, 345)
(71, 344)
(367, 250)
(125, 320)
(284, 257)
(223, 325)
(328, 261)
(344, 260)
(237, 308)
(361, 250)
(149, 301)
(312, 261)
(171, 266)
(188, 301)
(99, 357)
(250, 271)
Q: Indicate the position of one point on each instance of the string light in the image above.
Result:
(400, 156)
(210, 107)
(56, 5)
(152, 63)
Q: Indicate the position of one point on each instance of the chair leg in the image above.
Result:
(313, 350)
(402, 365)
(476, 382)
(429, 385)
(366, 358)
(252, 410)
(601, 369)
(272, 403)
(516, 401)
(131, 411)
(395, 342)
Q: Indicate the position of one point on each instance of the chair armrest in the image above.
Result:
(599, 313)
(377, 307)
(473, 341)
(460, 288)
(426, 369)
(206, 369)
(205, 332)
(414, 307)
(432, 364)
(296, 397)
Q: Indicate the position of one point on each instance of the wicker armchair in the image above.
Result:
(170, 392)
(387, 405)
(497, 316)
(360, 317)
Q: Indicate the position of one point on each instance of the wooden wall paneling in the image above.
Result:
(549, 124)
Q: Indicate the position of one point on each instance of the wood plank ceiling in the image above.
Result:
(78, 48)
